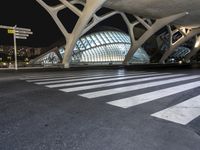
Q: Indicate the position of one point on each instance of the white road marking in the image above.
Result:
(76, 80)
(98, 81)
(82, 76)
(37, 77)
(182, 113)
(41, 77)
(63, 78)
(87, 87)
(69, 76)
(148, 97)
(136, 87)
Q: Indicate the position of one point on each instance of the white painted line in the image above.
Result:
(76, 77)
(45, 76)
(50, 78)
(76, 80)
(98, 81)
(182, 113)
(87, 87)
(62, 78)
(39, 76)
(148, 97)
(136, 87)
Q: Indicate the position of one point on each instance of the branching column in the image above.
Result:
(151, 28)
(90, 7)
(187, 34)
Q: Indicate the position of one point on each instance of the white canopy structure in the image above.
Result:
(152, 15)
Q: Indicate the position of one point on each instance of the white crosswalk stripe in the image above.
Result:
(152, 96)
(182, 113)
(75, 75)
(136, 87)
(76, 80)
(101, 85)
(41, 77)
(63, 77)
(114, 84)
(52, 78)
(98, 81)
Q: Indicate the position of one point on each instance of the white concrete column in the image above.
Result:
(151, 29)
(90, 8)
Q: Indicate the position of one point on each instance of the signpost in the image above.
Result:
(18, 33)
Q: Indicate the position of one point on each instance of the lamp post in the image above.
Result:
(15, 47)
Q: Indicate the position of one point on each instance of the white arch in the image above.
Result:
(187, 34)
(89, 12)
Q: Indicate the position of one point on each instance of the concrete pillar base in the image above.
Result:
(66, 65)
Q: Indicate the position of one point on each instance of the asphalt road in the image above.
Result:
(100, 110)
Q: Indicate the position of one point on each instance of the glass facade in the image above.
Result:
(181, 52)
(100, 47)
(50, 58)
(106, 46)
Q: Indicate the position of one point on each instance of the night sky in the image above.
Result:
(29, 14)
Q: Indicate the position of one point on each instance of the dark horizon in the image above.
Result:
(29, 14)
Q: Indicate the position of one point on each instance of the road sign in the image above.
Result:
(11, 31)
(18, 33)
(9, 27)
(24, 32)
(21, 37)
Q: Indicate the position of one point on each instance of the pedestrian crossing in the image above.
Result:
(182, 113)
(153, 87)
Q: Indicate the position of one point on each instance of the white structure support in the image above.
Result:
(150, 30)
(89, 13)
(187, 34)
(98, 19)
(194, 51)
(90, 7)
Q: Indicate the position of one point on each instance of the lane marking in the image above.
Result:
(152, 96)
(76, 80)
(101, 93)
(45, 76)
(182, 113)
(79, 77)
(38, 77)
(41, 77)
(98, 81)
(67, 76)
(63, 78)
(87, 87)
